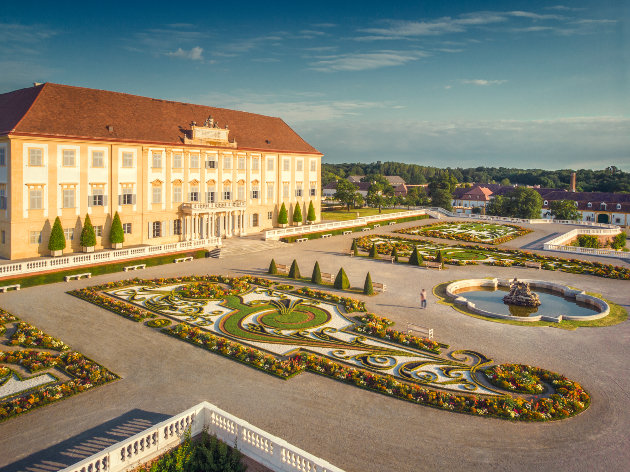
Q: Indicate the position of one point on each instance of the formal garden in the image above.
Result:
(37, 369)
(474, 232)
(286, 329)
(418, 251)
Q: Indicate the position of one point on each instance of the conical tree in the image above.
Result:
(297, 214)
(316, 278)
(413, 259)
(341, 281)
(311, 216)
(88, 236)
(57, 241)
(283, 216)
(367, 286)
(273, 269)
(395, 254)
(294, 272)
(439, 257)
(373, 251)
(420, 259)
(354, 248)
(116, 233)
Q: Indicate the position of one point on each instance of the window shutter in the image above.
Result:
(133, 199)
(164, 228)
(170, 227)
(150, 234)
(119, 199)
(104, 200)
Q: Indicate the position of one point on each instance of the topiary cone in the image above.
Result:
(395, 254)
(88, 236)
(341, 281)
(311, 212)
(316, 278)
(294, 272)
(57, 240)
(116, 233)
(368, 289)
(413, 259)
(273, 269)
(373, 251)
(297, 214)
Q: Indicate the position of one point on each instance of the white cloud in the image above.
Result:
(195, 54)
(482, 82)
(365, 61)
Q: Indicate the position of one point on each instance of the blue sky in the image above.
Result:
(446, 83)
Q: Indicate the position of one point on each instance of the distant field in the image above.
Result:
(338, 215)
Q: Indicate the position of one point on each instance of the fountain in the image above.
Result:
(521, 295)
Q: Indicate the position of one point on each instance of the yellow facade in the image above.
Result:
(170, 185)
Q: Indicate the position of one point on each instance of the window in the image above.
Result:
(177, 226)
(3, 197)
(98, 159)
(298, 189)
(299, 165)
(270, 215)
(3, 156)
(177, 161)
(227, 194)
(270, 191)
(241, 163)
(157, 229)
(313, 190)
(157, 194)
(3, 237)
(35, 199)
(69, 158)
(255, 163)
(255, 191)
(194, 193)
(126, 228)
(127, 159)
(177, 194)
(68, 198)
(211, 163)
(270, 163)
(98, 198)
(285, 190)
(68, 233)
(589, 205)
(241, 192)
(227, 162)
(98, 230)
(156, 162)
(255, 219)
(210, 195)
(194, 161)
(286, 164)
(127, 197)
(313, 165)
(35, 157)
(35, 237)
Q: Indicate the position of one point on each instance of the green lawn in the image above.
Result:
(339, 215)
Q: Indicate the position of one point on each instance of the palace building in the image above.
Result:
(173, 171)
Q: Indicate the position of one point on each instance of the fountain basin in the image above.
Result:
(598, 307)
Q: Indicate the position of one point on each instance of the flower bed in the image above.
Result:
(349, 304)
(160, 323)
(433, 231)
(205, 290)
(27, 335)
(517, 378)
(6, 317)
(378, 327)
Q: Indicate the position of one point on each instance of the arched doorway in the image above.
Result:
(602, 218)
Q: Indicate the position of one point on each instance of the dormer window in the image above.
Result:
(602, 205)
(545, 203)
(618, 206)
(589, 205)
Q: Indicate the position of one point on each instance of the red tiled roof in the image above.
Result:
(66, 111)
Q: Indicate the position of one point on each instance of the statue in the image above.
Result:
(521, 295)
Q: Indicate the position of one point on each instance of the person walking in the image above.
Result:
(423, 298)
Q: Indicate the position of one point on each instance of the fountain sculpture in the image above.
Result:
(521, 295)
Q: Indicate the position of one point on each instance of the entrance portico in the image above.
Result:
(204, 220)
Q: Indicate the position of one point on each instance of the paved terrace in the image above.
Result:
(353, 429)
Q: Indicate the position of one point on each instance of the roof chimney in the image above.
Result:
(36, 84)
(573, 181)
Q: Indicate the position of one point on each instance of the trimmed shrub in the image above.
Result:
(116, 233)
(297, 214)
(439, 257)
(283, 216)
(373, 252)
(414, 258)
(311, 216)
(316, 278)
(395, 254)
(294, 272)
(273, 269)
(88, 236)
(57, 241)
(368, 289)
(619, 241)
(355, 248)
(341, 281)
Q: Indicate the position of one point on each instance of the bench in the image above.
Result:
(6, 288)
(68, 278)
(376, 226)
(426, 332)
(391, 223)
(183, 259)
(327, 235)
(433, 265)
(134, 267)
(283, 268)
(301, 240)
(533, 265)
(351, 253)
(347, 232)
(330, 278)
(378, 286)
(366, 229)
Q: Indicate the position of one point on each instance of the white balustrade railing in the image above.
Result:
(316, 228)
(261, 446)
(77, 260)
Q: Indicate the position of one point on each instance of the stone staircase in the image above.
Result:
(238, 246)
